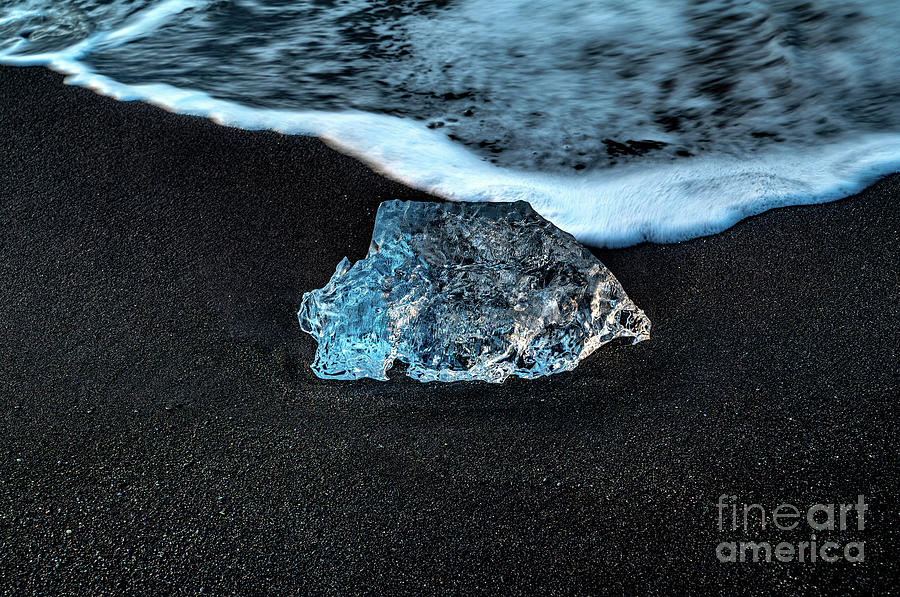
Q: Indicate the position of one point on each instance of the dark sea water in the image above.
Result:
(619, 120)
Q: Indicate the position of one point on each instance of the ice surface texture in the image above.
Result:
(466, 291)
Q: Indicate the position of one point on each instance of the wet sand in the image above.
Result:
(161, 429)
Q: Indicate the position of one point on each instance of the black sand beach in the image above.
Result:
(161, 429)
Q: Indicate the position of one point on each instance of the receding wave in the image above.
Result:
(618, 121)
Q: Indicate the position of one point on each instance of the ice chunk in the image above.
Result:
(466, 291)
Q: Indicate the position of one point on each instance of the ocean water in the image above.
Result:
(620, 121)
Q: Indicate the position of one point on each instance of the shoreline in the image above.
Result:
(159, 404)
(677, 201)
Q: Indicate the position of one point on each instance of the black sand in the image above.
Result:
(161, 429)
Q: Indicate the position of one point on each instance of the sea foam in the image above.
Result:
(650, 139)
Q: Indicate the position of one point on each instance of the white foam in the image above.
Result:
(662, 202)
(148, 20)
(138, 25)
